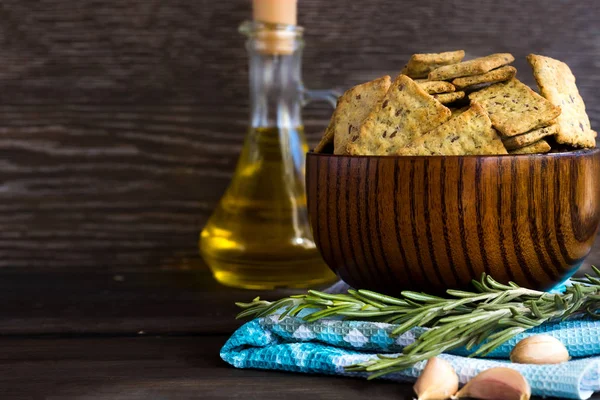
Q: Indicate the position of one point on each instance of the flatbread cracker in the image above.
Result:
(557, 84)
(469, 133)
(433, 87)
(352, 109)
(541, 146)
(354, 106)
(525, 139)
(405, 113)
(472, 67)
(447, 98)
(326, 143)
(514, 108)
(420, 65)
(496, 75)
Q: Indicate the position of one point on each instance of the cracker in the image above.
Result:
(355, 106)
(514, 108)
(326, 143)
(432, 87)
(557, 84)
(472, 67)
(496, 75)
(405, 113)
(469, 133)
(420, 65)
(541, 146)
(352, 109)
(525, 139)
(447, 98)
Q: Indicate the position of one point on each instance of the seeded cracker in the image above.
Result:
(469, 133)
(557, 84)
(447, 98)
(514, 108)
(471, 67)
(530, 137)
(541, 146)
(433, 87)
(496, 75)
(406, 112)
(352, 108)
(420, 65)
(326, 143)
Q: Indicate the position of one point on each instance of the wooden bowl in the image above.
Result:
(433, 223)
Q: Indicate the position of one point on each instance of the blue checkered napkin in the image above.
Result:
(327, 346)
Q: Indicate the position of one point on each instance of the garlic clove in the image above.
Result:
(496, 384)
(539, 349)
(438, 381)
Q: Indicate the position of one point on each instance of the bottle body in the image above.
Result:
(259, 235)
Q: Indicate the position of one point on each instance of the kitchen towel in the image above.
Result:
(327, 346)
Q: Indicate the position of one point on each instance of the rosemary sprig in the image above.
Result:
(480, 320)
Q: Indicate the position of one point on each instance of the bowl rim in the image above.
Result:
(571, 153)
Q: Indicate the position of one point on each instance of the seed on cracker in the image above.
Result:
(468, 133)
(525, 139)
(541, 146)
(496, 75)
(433, 87)
(405, 112)
(514, 108)
(352, 109)
(472, 67)
(447, 98)
(420, 65)
(557, 84)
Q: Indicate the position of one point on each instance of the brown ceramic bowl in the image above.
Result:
(433, 223)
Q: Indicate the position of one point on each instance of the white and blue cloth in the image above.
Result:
(327, 346)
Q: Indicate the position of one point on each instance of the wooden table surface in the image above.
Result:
(141, 335)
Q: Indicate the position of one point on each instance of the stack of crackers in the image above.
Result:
(442, 105)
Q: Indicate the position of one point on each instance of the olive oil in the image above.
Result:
(259, 235)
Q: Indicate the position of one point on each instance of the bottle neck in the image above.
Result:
(276, 90)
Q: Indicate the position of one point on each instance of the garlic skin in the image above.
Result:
(539, 349)
(438, 381)
(496, 384)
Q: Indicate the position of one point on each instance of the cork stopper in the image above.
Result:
(275, 11)
(279, 12)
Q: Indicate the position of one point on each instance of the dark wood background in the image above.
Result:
(121, 121)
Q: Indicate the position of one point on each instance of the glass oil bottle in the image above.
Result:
(259, 235)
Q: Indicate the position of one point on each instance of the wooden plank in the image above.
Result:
(150, 52)
(120, 122)
(80, 302)
(157, 368)
(92, 303)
